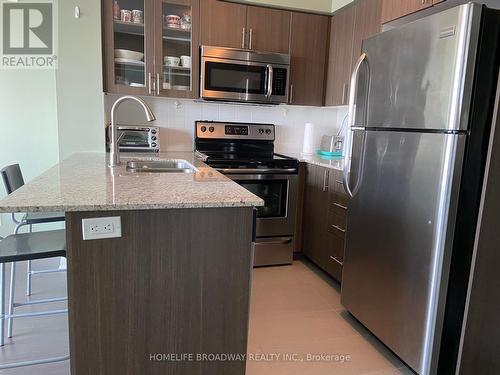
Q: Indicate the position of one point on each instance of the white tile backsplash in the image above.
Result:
(177, 118)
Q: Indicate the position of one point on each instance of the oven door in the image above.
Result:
(237, 80)
(279, 192)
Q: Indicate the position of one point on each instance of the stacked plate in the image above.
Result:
(125, 56)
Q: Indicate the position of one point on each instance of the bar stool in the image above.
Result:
(22, 247)
(13, 180)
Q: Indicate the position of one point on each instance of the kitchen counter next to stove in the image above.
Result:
(323, 161)
(84, 182)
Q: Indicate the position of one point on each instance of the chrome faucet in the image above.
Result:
(114, 152)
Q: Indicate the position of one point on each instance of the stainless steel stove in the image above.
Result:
(245, 153)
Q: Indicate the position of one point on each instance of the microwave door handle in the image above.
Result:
(269, 69)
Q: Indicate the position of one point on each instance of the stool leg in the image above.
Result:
(28, 272)
(11, 298)
(2, 302)
(28, 278)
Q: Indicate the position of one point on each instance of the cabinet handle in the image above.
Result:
(250, 39)
(340, 206)
(291, 94)
(336, 260)
(149, 83)
(338, 228)
(344, 93)
(243, 38)
(158, 84)
(325, 180)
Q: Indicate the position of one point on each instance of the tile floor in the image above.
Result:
(295, 311)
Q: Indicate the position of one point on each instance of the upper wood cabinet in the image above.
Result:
(340, 57)
(128, 72)
(308, 53)
(223, 24)
(136, 50)
(240, 26)
(367, 23)
(268, 29)
(393, 9)
(348, 30)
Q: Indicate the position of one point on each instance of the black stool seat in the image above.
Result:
(43, 217)
(32, 246)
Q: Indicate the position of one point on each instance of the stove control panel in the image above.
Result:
(233, 130)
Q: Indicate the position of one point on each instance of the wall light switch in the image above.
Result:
(102, 227)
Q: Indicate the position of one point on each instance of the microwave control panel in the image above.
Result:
(279, 81)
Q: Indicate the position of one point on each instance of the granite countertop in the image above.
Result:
(84, 182)
(323, 161)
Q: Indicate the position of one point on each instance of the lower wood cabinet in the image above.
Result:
(324, 219)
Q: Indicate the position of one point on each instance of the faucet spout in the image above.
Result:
(114, 152)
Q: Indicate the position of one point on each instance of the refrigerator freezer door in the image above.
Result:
(420, 73)
(396, 242)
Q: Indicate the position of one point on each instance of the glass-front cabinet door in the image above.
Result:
(129, 46)
(176, 48)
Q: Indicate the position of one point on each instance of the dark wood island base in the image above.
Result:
(174, 287)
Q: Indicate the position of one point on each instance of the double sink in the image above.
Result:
(161, 166)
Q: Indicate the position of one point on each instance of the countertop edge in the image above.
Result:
(336, 163)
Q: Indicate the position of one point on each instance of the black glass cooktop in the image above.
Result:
(256, 161)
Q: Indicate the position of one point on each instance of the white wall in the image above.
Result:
(28, 124)
(79, 78)
(177, 117)
(46, 115)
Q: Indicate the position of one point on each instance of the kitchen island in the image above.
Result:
(171, 295)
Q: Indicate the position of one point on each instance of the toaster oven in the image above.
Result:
(138, 138)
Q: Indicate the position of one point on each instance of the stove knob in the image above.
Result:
(261, 131)
(153, 144)
(153, 131)
(211, 129)
(153, 138)
(203, 129)
(268, 131)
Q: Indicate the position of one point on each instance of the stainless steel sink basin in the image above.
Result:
(161, 166)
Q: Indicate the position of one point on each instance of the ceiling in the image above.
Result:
(316, 6)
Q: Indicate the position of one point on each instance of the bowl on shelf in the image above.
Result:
(171, 60)
(173, 21)
(128, 54)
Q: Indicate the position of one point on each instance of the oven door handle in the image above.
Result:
(270, 73)
(274, 241)
(255, 170)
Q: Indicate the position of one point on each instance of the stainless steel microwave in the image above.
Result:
(240, 75)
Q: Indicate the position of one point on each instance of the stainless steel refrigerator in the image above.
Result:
(420, 114)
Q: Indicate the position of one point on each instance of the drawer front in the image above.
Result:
(334, 257)
(338, 194)
(337, 218)
(273, 251)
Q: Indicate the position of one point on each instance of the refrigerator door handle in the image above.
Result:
(350, 124)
